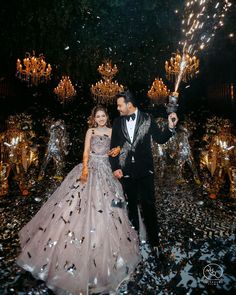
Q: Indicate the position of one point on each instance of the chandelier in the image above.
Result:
(185, 66)
(106, 90)
(158, 91)
(65, 90)
(34, 70)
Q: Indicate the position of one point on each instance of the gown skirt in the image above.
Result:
(81, 240)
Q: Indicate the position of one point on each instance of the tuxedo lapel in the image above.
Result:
(124, 129)
(138, 122)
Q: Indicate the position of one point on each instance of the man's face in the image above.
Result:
(122, 107)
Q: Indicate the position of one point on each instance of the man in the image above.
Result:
(132, 131)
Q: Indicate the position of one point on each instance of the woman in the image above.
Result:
(81, 241)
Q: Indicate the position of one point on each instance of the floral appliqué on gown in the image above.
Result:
(80, 242)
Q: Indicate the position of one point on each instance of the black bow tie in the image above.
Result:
(132, 116)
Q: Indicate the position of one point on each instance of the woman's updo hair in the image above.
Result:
(91, 118)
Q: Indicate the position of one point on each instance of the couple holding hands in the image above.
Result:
(84, 240)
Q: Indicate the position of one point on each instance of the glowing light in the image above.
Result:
(158, 91)
(105, 90)
(34, 69)
(65, 91)
(201, 14)
(201, 19)
(181, 67)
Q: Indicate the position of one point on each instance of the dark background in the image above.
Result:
(76, 36)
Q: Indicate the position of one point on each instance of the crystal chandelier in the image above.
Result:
(65, 90)
(187, 66)
(158, 91)
(34, 70)
(105, 90)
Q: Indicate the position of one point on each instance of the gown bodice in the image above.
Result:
(100, 145)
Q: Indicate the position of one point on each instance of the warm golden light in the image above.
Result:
(34, 69)
(158, 91)
(106, 90)
(65, 90)
(184, 65)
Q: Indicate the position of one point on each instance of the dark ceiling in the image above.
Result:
(138, 35)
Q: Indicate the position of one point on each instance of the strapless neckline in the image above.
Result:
(102, 135)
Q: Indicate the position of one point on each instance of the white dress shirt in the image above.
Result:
(131, 126)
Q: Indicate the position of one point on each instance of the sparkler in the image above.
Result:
(203, 18)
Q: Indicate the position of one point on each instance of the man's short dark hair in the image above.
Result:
(128, 97)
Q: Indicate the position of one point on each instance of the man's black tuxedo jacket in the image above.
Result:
(139, 151)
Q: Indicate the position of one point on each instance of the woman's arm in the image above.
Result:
(84, 175)
(115, 142)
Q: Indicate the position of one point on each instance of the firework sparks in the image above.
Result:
(202, 19)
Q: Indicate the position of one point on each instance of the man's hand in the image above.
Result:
(172, 120)
(114, 152)
(118, 173)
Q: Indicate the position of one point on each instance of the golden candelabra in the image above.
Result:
(158, 91)
(107, 70)
(34, 70)
(65, 90)
(106, 90)
(184, 65)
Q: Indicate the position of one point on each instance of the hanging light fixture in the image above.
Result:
(158, 91)
(105, 90)
(34, 70)
(65, 91)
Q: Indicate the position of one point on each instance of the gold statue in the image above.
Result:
(223, 152)
(18, 149)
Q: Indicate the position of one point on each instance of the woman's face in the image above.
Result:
(100, 118)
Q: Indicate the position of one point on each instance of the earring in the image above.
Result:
(95, 124)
